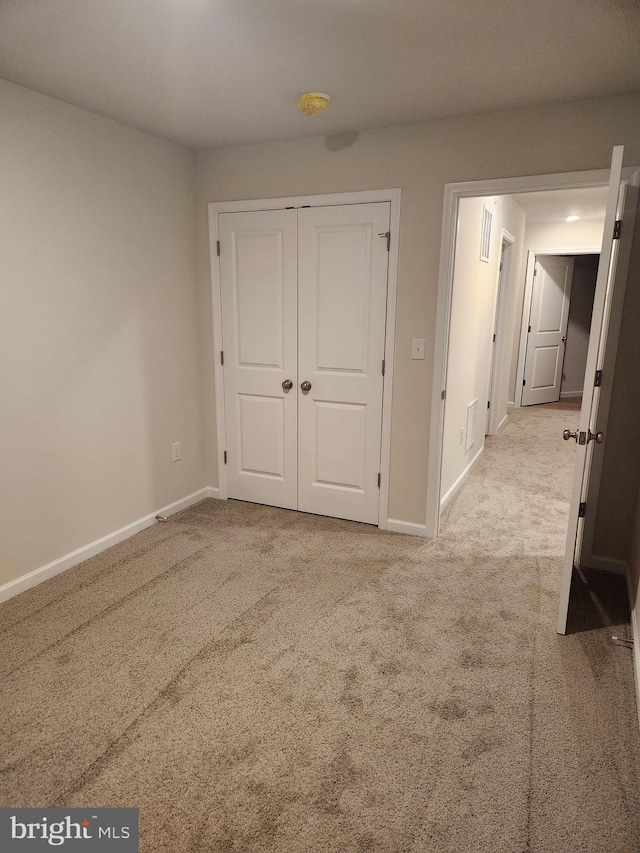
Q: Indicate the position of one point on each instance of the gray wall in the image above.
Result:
(420, 159)
(100, 366)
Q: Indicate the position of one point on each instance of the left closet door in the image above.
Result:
(259, 281)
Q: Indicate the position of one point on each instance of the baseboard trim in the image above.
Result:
(458, 483)
(565, 395)
(68, 561)
(635, 636)
(408, 527)
(511, 405)
(607, 564)
(502, 423)
(213, 492)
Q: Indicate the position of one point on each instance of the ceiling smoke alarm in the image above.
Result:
(312, 103)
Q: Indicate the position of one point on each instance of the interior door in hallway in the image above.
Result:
(258, 279)
(342, 295)
(548, 319)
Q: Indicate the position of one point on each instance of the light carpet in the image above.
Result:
(255, 679)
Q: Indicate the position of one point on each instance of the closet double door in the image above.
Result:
(304, 296)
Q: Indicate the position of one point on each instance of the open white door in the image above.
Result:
(611, 281)
(548, 318)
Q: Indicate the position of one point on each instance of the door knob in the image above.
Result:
(306, 387)
(598, 437)
(287, 385)
(567, 434)
(564, 340)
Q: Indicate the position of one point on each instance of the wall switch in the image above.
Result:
(417, 348)
(175, 451)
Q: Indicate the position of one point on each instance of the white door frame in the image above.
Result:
(532, 255)
(452, 195)
(500, 312)
(365, 197)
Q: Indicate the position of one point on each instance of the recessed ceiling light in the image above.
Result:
(572, 218)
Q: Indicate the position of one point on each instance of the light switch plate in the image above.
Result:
(417, 348)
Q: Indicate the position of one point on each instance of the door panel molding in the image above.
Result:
(393, 196)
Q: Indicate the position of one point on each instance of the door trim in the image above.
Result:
(393, 196)
(452, 194)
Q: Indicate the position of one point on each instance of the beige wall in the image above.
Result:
(419, 159)
(473, 303)
(100, 367)
(549, 238)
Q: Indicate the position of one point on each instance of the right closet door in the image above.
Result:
(304, 302)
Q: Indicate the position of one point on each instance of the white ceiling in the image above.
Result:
(556, 205)
(218, 72)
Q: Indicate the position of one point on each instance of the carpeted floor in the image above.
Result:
(255, 679)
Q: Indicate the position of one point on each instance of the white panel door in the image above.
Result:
(611, 282)
(342, 293)
(258, 277)
(548, 319)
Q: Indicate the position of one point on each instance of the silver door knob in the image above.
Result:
(567, 434)
(564, 340)
(598, 437)
(306, 387)
(287, 385)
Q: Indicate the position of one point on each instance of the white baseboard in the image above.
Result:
(18, 585)
(511, 405)
(451, 492)
(607, 564)
(212, 492)
(397, 526)
(567, 394)
(502, 423)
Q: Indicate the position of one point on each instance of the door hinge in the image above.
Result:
(386, 234)
(598, 379)
(222, 357)
(617, 229)
(443, 395)
(582, 509)
(379, 479)
(383, 366)
(494, 339)
(488, 404)
(524, 382)
(535, 272)
(529, 329)
(225, 457)
(500, 267)
(218, 247)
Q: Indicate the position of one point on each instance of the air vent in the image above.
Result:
(485, 238)
(470, 435)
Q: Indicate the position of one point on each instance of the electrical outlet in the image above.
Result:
(175, 451)
(461, 435)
